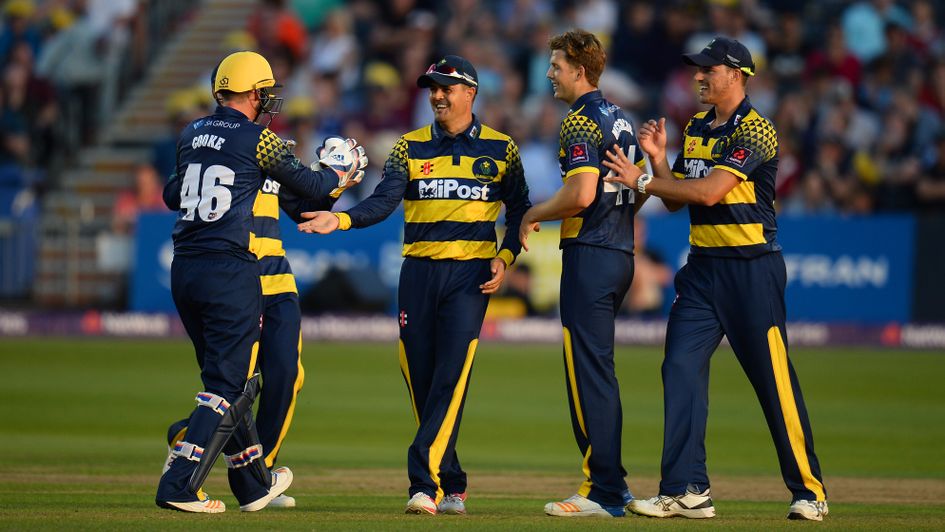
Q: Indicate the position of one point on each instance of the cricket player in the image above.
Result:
(222, 163)
(732, 285)
(453, 177)
(597, 267)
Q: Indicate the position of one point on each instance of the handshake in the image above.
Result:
(345, 157)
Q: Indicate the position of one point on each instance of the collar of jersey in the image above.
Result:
(229, 112)
(741, 111)
(472, 132)
(584, 99)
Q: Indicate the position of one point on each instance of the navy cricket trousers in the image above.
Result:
(219, 300)
(742, 299)
(594, 282)
(280, 362)
(441, 313)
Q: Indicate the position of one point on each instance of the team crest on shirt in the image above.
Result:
(485, 170)
(577, 153)
(738, 156)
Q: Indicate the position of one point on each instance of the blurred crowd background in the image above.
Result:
(855, 89)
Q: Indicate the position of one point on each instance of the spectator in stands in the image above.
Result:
(71, 60)
(812, 197)
(35, 98)
(144, 197)
(864, 23)
(835, 59)
(335, 48)
(19, 26)
(275, 26)
(14, 134)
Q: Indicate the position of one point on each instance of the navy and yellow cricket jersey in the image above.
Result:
(592, 127)
(222, 161)
(266, 240)
(743, 223)
(453, 189)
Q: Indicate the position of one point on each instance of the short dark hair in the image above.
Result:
(582, 48)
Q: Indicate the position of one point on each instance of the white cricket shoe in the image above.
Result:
(579, 506)
(282, 501)
(690, 505)
(453, 504)
(421, 503)
(281, 480)
(808, 510)
(203, 505)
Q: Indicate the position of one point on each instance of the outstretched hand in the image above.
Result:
(321, 222)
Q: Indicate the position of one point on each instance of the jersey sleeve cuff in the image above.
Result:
(580, 170)
(344, 220)
(731, 170)
(507, 257)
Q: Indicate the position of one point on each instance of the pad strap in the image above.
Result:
(188, 451)
(243, 458)
(213, 402)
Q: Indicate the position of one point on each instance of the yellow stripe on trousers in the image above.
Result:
(438, 448)
(299, 381)
(572, 387)
(252, 360)
(405, 369)
(792, 421)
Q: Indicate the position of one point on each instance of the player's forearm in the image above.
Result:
(380, 204)
(678, 192)
(661, 168)
(567, 202)
(306, 182)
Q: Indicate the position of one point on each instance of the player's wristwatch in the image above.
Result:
(642, 182)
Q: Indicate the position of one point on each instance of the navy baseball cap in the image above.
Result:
(723, 51)
(450, 70)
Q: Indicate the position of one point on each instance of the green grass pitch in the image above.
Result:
(84, 420)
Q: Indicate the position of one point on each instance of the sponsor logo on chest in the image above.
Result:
(451, 189)
(697, 168)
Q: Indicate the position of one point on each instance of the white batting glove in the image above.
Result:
(348, 160)
(328, 144)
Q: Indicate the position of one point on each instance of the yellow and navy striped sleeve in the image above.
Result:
(755, 142)
(275, 158)
(515, 197)
(387, 194)
(580, 140)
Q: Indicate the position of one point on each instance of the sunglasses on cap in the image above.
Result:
(452, 72)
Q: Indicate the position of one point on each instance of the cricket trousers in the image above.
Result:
(742, 299)
(594, 282)
(441, 314)
(219, 300)
(280, 362)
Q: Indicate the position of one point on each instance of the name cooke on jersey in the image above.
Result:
(207, 141)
